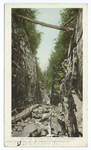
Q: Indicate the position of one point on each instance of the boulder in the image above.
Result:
(55, 126)
(54, 114)
(33, 114)
(45, 117)
(27, 131)
(45, 123)
(18, 123)
(43, 133)
(35, 134)
(42, 126)
(43, 109)
(15, 128)
(15, 134)
(27, 120)
(66, 100)
(54, 131)
(58, 110)
(38, 116)
(19, 129)
(59, 117)
(40, 110)
(60, 107)
(35, 110)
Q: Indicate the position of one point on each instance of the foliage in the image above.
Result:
(34, 36)
(25, 32)
(60, 51)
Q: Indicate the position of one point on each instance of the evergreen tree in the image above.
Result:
(60, 50)
(22, 30)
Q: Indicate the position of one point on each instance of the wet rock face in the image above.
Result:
(71, 87)
(73, 77)
(24, 73)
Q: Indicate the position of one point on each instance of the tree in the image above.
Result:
(22, 31)
(46, 24)
(60, 49)
(34, 36)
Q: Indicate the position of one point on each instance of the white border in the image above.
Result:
(83, 141)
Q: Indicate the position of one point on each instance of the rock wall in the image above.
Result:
(71, 87)
(25, 83)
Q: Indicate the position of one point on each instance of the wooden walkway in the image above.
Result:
(24, 113)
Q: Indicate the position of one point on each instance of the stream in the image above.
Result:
(44, 121)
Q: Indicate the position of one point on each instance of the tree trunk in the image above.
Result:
(69, 20)
(45, 24)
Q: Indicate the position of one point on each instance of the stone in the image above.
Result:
(39, 129)
(27, 120)
(22, 45)
(35, 110)
(45, 117)
(40, 110)
(59, 117)
(18, 123)
(66, 100)
(15, 134)
(33, 114)
(72, 84)
(43, 133)
(19, 128)
(73, 92)
(16, 127)
(58, 110)
(66, 118)
(47, 100)
(54, 131)
(35, 134)
(12, 132)
(45, 110)
(54, 114)
(62, 135)
(45, 123)
(78, 113)
(38, 116)
(27, 130)
(55, 125)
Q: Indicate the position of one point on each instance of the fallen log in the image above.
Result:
(46, 24)
(22, 125)
(70, 20)
(24, 113)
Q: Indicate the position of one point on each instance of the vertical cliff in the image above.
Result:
(25, 82)
(71, 87)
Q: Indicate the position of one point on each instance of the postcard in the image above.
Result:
(46, 75)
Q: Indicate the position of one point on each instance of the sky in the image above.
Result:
(51, 16)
